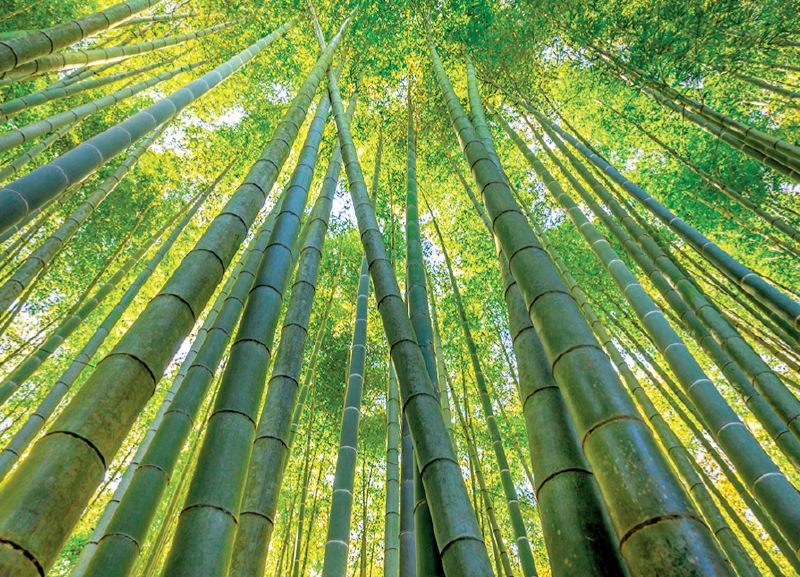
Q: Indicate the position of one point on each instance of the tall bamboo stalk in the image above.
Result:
(270, 449)
(429, 563)
(566, 490)
(457, 533)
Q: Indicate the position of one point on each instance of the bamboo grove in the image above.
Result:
(398, 289)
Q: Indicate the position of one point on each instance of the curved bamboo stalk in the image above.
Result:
(18, 51)
(26, 194)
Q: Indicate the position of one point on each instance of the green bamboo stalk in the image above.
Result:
(28, 193)
(567, 493)
(270, 445)
(766, 396)
(789, 336)
(683, 461)
(457, 534)
(13, 107)
(428, 560)
(650, 524)
(441, 369)
(391, 554)
(213, 504)
(79, 58)
(36, 262)
(36, 421)
(392, 523)
(19, 136)
(169, 518)
(337, 541)
(18, 51)
(763, 477)
(83, 437)
(512, 501)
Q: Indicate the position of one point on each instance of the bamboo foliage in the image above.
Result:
(28, 193)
